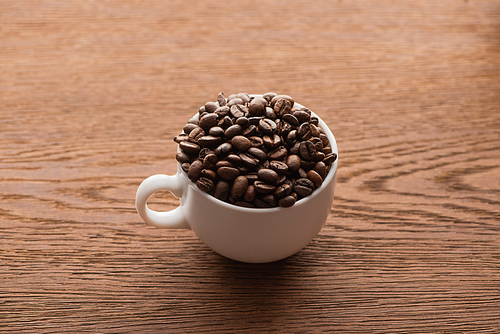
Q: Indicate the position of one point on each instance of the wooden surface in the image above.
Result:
(92, 93)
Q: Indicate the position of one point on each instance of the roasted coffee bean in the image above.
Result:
(257, 106)
(244, 97)
(314, 130)
(249, 160)
(259, 203)
(270, 199)
(307, 165)
(302, 173)
(234, 159)
(304, 131)
(292, 136)
(302, 116)
(263, 187)
(185, 167)
(222, 112)
(225, 122)
(250, 130)
(180, 138)
(223, 149)
(195, 134)
(195, 170)
(222, 190)
(255, 120)
(303, 187)
(325, 139)
(228, 173)
(221, 99)
(283, 190)
(271, 142)
(240, 186)
(234, 101)
(241, 143)
(282, 107)
(188, 127)
(267, 175)
(287, 201)
(243, 122)
(182, 157)
(210, 160)
(268, 96)
(279, 167)
(314, 120)
(291, 119)
(205, 184)
(330, 158)
(233, 130)
(210, 107)
(189, 148)
(315, 178)
(237, 110)
(249, 194)
(295, 148)
(320, 168)
(210, 141)
(281, 96)
(207, 121)
(209, 174)
(293, 162)
(223, 163)
(267, 126)
(216, 131)
(320, 156)
(245, 204)
(307, 150)
(258, 153)
(318, 143)
(278, 154)
(252, 177)
(256, 141)
(270, 113)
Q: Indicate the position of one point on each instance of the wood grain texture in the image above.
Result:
(92, 93)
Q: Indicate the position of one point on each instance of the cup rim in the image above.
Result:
(301, 202)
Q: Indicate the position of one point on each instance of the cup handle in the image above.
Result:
(165, 219)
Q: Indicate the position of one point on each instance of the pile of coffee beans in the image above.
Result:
(257, 152)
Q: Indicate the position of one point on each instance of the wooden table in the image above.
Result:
(93, 92)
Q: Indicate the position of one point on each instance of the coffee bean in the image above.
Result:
(195, 170)
(281, 96)
(283, 190)
(249, 160)
(307, 150)
(240, 186)
(210, 107)
(278, 166)
(189, 148)
(302, 173)
(287, 201)
(330, 158)
(293, 162)
(223, 149)
(234, 159)
(271, 142)
(263, 187)
(249, 194)
(304, 131)
(318, 143)
(257, 106)
(237, 110)
(182, 157)
(208, 121)
(225, 122)
(233, 130)
(185, 167)
(228, 173)
(270, 199)
(208, 173)
(221, 99)
(243, 122)
(267, 126)
(188, 127)
(222, 112)
(210, 160)
(303, 187)
(315, 178)
(270, 113)
(267, 175)
(252, 177)
(282, 107)
(216, 131)
(244, 204)
(258, 153)
(222, 190)
(320, 168)
(250, 130)
(180, 138)
(210, 141)
(256, 141)
(302, 116)
(292, 136)
(241, 143)
(295, 148)
(291, 119)
(278, 154)
(195, 134)
(244, 97)
(268, 96)
(234, 101)
(205, 184)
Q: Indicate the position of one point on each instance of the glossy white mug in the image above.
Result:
(251, 235)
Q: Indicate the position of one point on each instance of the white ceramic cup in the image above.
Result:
(251, 235)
